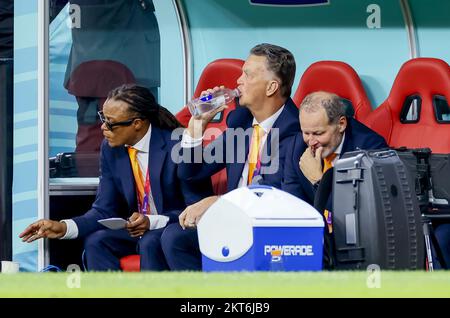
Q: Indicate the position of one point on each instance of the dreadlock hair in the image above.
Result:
(143, 104)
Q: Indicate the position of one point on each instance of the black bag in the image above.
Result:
(376, 216)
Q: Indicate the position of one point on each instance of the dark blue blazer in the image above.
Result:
(272, 167)
(357, 136)
(116, 195)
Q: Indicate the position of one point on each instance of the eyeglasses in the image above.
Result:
(110, 125)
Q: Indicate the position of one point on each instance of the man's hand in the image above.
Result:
(197, 124)
(138, 224)
(311, 164)
(43, 229)
(190, 217)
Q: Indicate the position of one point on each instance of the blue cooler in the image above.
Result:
(241, 229)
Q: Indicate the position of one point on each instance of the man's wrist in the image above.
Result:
(196, 128)
(70, 229)
(64, 228)
(214, 198)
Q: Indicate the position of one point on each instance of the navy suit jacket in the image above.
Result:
(357, 136)
(272, 159)
(116, 195)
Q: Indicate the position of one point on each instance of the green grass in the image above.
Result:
(235, 285)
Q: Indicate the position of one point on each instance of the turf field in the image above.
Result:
(235, 285)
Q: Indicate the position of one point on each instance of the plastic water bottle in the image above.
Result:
(212, 101)
(276, 261)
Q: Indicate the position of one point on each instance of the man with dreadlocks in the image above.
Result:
(138, 182)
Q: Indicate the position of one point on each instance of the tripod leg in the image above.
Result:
(426, 234)
(437, 249)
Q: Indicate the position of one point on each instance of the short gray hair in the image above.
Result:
(281, 62)
(331, 103)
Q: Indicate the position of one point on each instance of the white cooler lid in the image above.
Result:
(269, 206)
(225, 231)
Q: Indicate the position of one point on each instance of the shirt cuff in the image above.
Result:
(157, 221)
(188, 142)
(72, 230)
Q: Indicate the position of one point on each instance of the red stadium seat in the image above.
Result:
(131, 263)
(219, 72)
(416, 113)
(338, 78)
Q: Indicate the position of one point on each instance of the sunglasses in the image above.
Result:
(110, 125)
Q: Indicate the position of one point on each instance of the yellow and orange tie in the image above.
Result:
(253, 155)
(138, 177)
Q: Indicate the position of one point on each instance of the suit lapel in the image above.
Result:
(286, 124)
(267, 157)
(235, 170)
(156, 158)
(126, 177)
(348, 141)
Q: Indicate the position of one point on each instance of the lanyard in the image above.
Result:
(144, 207)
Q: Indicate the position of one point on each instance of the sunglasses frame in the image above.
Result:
(111, 126)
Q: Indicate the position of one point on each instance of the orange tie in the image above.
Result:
(253, 155)
(138, 178)
(327, 164)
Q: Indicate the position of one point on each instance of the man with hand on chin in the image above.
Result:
(326, 134)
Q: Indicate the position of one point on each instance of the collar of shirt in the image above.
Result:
(267, 123)
(143, 148)
(339, 149)
(143, 144)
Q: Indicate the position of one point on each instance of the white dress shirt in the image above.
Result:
(189, 142)
(338, 150)
(156, 221)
